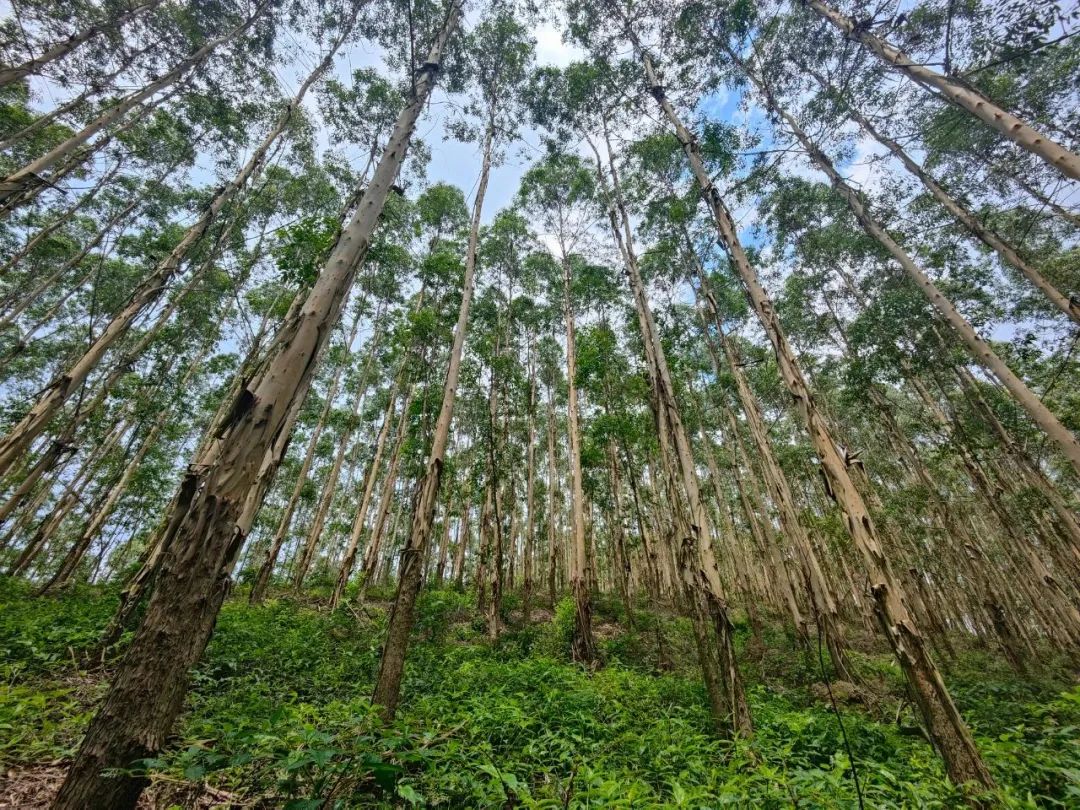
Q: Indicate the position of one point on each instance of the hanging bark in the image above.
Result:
(943, 720)
(391, 667)
(958, 93)
(149, 291)
(217, 503)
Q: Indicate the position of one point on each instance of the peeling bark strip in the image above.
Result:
(392, 664)
(56, 394)
(217, 503)
(962, 95)
(947, 728)
(979, 348)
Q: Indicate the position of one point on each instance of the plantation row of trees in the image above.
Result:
(782, 318)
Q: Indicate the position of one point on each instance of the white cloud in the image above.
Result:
(550, 48)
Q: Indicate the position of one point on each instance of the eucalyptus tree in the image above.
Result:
(216, 504)
(53, 397)
(955, 91)
(944, 722)
(590, 98)
(497, 55)
(67, 151)
(561, 192)
(62, 48)
(979, 348)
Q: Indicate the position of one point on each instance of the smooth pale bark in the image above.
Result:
(494, 457)
(961, 214)
(674, 434)
(64, 217)
(444, 546)
(956, 92)
(620, 556)
(360, 519)
(527, 564)
(979, 348)
(942, 718)
(821, 599)
(329, 486)
(68, 500)
(41, 413)
(463, 536)
(62, 49)
(378, 529)
(30, 174)
(582, 647)
(217, 503)
(392, 665)
(553, 546)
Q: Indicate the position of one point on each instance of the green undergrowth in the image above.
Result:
(279, 714)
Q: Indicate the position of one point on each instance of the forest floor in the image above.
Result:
(279, 715)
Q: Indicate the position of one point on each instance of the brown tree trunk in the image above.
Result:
(217, 503)
(150, 290)
(946, 726)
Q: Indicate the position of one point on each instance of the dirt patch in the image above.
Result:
(32, 787)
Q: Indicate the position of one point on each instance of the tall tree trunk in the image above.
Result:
(553, 546)
(150, 290)
(527, 563)
(673, 434)
(30, 174)
(980, 350)
(983, 233)
(62, 49)
(360, 519)
(217, 503)
(392, 666)
(582, 647)
(943, 720)
(330, 484)
(463, 535)
(956, 92)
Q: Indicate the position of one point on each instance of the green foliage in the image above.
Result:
(280, 714)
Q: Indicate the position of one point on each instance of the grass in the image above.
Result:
(279, 715)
